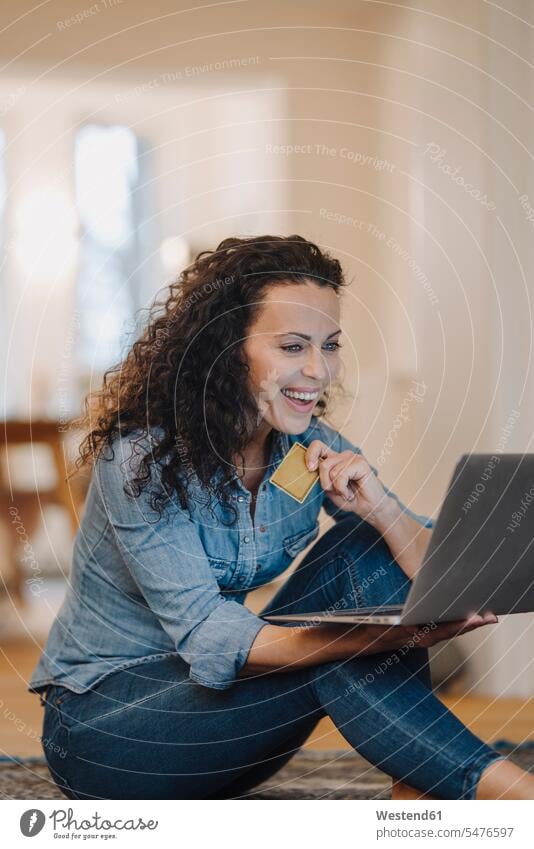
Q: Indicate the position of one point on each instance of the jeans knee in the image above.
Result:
(376, 577)
(355, 537)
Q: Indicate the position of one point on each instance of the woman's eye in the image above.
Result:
(295, 347)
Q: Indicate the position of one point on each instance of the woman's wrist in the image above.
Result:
(386, 514)
(405, 537)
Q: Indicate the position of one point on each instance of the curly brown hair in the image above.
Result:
(187, 369)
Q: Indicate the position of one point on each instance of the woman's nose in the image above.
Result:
(316, 366)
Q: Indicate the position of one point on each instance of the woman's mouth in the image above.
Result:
(301, 401)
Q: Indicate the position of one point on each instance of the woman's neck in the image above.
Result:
(257, 454)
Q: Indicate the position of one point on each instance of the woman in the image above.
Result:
(157, 681)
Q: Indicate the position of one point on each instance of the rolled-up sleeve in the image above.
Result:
(168, 563)
(340, 443)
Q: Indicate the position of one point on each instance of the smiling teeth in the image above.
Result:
(300, 396)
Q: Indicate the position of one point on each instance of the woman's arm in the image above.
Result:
(340, 443)
(167, 561)
(280, 648)
(351, 484)
(406, 538)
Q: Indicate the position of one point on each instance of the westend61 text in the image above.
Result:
(408, 815)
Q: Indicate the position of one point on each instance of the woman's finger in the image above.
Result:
(315, 451)
(325, 464)
(348, 473)
(447, 630)
(340, 475)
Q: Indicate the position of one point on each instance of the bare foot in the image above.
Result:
(504, 780)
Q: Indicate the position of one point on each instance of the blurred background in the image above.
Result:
(397, 135)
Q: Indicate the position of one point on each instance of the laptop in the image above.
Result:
(480, 556)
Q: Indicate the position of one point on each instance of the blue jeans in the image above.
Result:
(150, 732)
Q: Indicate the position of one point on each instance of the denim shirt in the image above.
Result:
(142, 588)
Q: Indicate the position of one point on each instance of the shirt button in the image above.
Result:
(240, 498)
(263, 528)
(246, 539)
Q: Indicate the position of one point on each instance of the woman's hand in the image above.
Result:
(348, 480)
(380, 638)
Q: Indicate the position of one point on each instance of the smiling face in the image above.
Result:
(292, 349)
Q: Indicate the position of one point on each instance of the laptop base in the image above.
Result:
(384, 615)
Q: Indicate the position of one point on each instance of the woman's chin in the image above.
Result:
(293, 423)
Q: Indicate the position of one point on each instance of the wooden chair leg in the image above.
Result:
(404, 792)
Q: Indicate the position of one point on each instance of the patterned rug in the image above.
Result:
(331, 774)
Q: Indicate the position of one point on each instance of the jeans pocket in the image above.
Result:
(62, 702)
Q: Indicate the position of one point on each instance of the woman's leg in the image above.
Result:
(150, 732)
(383, 703)
(361, 573)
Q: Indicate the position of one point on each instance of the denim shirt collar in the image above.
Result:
(279, 450)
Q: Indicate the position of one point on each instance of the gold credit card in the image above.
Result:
(293, 476)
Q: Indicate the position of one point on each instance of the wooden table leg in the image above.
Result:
(63, 491)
